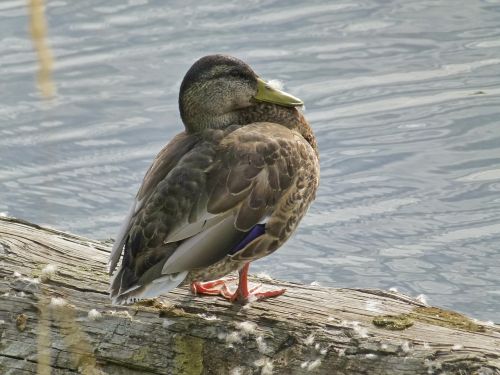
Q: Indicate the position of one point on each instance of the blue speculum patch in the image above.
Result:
(256, 231)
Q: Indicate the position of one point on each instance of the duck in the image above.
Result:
(228, 190)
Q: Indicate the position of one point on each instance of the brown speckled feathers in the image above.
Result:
(205, 191)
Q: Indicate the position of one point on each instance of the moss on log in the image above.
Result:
(56, 318)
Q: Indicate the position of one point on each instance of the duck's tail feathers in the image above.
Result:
(161, 285)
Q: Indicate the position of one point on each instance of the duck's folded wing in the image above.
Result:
(254, 167)
(166, 159)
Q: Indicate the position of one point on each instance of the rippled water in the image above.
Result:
(404, 97)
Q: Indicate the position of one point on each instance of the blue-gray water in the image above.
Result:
(404, 97)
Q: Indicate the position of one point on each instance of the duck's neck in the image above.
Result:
(290, 117)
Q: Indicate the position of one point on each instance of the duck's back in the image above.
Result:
(202, 197)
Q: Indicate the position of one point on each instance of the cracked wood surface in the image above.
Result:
(62, 322)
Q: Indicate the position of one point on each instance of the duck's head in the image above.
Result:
(220, 90)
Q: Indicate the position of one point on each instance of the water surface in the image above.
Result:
(404, 97)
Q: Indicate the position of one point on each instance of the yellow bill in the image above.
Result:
(265, 93)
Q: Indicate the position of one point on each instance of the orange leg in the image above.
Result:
(242, 293)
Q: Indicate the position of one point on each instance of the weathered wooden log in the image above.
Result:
(56, 318)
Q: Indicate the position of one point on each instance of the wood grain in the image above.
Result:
(46, 327)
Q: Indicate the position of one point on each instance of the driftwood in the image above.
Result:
(56, 318)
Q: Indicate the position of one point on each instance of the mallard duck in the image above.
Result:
(228, 190)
